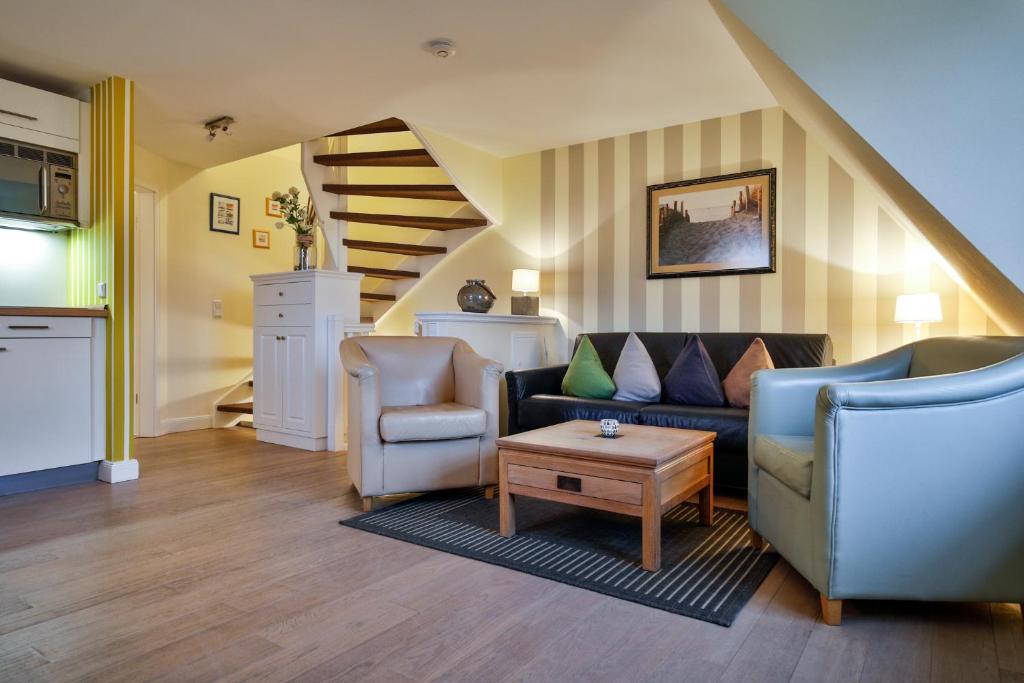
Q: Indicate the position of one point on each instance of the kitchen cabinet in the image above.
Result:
(38, 116)
(52, 392)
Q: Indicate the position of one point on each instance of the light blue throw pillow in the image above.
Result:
(635, 377)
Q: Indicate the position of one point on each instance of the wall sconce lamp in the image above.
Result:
(526, 281)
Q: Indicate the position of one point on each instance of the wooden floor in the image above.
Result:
(226, 562)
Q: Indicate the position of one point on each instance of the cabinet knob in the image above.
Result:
(280, 315)
(280, 293)
(2, 349)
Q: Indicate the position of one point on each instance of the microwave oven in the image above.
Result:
(38, 186)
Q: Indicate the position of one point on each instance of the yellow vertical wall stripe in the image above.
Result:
(104, 252)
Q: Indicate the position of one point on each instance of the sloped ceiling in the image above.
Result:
(527, 75)
(931, 90)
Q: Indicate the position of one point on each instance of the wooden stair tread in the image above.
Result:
(244, 408)
(374, 296)
(366, 319)
(395, 248)
(446, 193)
(420, 222)
(390, 125)
(384, 273)
(398, 157)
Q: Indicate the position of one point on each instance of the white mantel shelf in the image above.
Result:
(461, 317)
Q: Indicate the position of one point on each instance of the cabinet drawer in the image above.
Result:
(295, 314)
(33, 326)
(38, 110)
(284, 293)
(580, 484)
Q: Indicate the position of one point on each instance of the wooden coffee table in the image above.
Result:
(642, 472)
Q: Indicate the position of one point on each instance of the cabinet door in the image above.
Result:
(45, 394)
(267, 377)
(297, 379)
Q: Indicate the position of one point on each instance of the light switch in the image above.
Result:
(218, 308)
(101, 290)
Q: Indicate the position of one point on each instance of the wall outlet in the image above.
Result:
(218, 308)
(101, 290)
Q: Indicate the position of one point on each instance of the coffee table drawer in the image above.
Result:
(580, 484)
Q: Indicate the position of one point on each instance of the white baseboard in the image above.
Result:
(307, 443)
(116, 471)
(184, 424)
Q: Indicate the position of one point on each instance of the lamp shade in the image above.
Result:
(918, 308)
(525, 280)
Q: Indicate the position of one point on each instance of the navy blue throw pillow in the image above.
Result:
(692, 380)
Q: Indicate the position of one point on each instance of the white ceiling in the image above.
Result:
(528, 74)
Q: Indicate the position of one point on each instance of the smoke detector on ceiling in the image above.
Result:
(442, 48)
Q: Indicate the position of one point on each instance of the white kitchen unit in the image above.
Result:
(39, 117)
(518, 342)
(292, 352)
(52, 388)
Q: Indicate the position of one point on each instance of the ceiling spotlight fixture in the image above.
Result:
(220, 124)
(442, 48)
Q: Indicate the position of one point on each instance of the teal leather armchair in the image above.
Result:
(898, 477)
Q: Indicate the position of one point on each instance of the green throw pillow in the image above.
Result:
(586, 376)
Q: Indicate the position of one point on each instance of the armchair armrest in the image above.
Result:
(525, 383)
(355, 362)
(476, 379)
(783, 401)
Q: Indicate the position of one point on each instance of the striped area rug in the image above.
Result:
(707, 573)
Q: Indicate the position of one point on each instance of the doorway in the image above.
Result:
(145, 314)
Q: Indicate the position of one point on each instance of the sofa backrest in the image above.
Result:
(413, 370)
(944, 355)
(724, 348)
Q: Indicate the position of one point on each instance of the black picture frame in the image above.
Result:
(238, 214)
(766, 178)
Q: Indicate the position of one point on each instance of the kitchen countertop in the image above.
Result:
(54, 312)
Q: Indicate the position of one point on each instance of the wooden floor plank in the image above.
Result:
(225, 561)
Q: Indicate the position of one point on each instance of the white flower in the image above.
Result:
(279, 225)
(293, 191)
(276, 195)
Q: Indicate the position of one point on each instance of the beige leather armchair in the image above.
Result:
(422, 415)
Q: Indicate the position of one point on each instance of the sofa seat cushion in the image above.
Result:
(543, 410)
(431, 422)
(729, 423)
(790, 459)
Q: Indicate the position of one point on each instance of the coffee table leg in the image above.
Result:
(506, 501)
(706, 500)
(651, 526)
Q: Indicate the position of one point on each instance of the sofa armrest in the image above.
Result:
(783, 401)
(525, 383)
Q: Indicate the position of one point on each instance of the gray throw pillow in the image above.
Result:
(635, 377)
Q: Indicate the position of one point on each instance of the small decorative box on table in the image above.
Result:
(643, 472)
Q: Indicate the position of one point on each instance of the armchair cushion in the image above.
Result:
(431, 422)
(790, 459)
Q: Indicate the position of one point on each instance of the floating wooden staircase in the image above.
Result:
(404, 259)
(243, 408)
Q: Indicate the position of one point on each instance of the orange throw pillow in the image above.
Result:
(737, 383)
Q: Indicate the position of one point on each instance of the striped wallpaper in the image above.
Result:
(842, 260)
(104, 252)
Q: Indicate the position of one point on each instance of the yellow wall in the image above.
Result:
(578, 213)
(103, 253)
(200, 357)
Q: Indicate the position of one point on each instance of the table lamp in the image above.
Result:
(917, 309)
(526, 281)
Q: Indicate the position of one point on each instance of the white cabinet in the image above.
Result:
(293, 352)
(40, 117)
(52, 384)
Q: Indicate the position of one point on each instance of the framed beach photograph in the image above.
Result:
(723, 225)
(261, 239)
(225, 213)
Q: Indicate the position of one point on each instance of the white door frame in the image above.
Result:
(146, 319)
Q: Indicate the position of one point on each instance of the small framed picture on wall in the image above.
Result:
(272, 208)
(225, 213)
(261, 239)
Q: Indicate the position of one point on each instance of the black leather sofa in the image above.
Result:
(535, 396)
